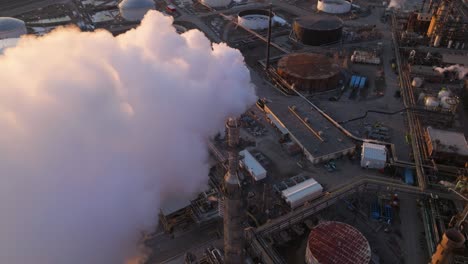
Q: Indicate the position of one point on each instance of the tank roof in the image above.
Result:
(11, 24)
(319, 22)
(308, 66)
(335, 242)
(136, 4)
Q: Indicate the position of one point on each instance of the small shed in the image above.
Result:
(373, 156)
(249, 163)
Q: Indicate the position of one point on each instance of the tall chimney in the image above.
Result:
(233, 231)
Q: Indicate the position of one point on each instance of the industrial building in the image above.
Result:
(446, 146)
(11, 28)
(302, 192)
(135, 10)
(319, 140)
(334, 6)
(318, 30)
(373, 156)
(249, 163)
(309, 72)
(335, 242)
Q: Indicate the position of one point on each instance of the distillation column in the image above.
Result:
(233, 205)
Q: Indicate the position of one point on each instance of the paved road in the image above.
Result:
(16, 7)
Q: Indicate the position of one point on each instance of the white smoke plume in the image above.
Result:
(460, 70)
(97, 131)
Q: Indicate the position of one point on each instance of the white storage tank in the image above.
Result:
(334, 6)
(216, 3)
(135, 10)
(254, 18)
(11, 28)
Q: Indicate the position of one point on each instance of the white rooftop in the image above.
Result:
(374, 151)
(252, 165)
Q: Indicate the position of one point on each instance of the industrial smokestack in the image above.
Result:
(270, 14)
(233, 206)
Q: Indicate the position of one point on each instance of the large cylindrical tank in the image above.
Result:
(216, 3)
(11, 28)
(318, 30)
(309, 72)
(254, 18)
(335, 242)
(135, 10)
(334, 6)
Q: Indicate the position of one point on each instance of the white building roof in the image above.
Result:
(252, 165)
(374, 151)
(302, 192)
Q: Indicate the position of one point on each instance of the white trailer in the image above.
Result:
(249, 163)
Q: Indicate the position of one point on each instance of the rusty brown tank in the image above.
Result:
(309, 72)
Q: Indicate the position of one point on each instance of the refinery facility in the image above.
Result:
(355, 151)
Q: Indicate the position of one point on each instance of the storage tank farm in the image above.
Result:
(318, 30)
(309, 72)
(11, 28)
(336, 242)
(135, 10)
(233, 199)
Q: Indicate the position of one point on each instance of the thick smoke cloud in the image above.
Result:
(97, 131)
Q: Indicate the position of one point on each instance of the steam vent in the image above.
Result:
(318, 30)
(335, 242)
(309, 72)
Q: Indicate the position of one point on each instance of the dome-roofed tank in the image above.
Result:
(335, 242)
(135, 10)
(11, 28)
